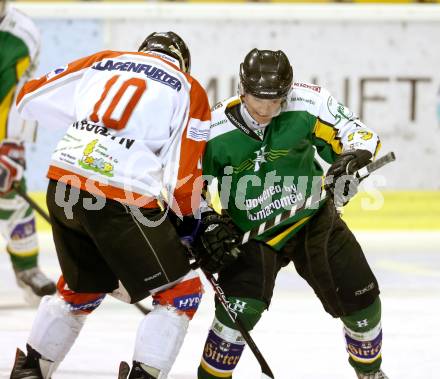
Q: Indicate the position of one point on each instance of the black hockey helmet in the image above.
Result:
(266, 74)
(171, 44)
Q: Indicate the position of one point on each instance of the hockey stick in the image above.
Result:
(143, 309)
(16, 187)
(266, 372)
(310, 202)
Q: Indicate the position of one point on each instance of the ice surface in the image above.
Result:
(298, 339)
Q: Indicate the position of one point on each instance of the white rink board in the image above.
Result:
(333, 53)
(381, 61)
(296, 336)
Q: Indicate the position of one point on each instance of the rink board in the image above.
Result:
(381, 61)
(387, 210)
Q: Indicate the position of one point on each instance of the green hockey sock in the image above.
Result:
(20, 262)
(363, 335)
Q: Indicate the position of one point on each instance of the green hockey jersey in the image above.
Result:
(260, 176)
(19, 46)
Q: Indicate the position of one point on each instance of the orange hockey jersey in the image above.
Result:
(136, 126)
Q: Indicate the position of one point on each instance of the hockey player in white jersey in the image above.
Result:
(19, 46)
(138, 128)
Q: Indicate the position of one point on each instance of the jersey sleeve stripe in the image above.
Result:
(5, 107)
(21, 67)
(328, 133)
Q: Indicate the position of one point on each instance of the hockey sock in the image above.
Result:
(23, 262)
(224, 344)
(363, 335)
(22, 239)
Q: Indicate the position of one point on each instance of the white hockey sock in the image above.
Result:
(55, 329)
(159, 338)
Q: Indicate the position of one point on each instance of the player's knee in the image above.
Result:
(363, 328)
(249, 310)
(184, 297)
(224, 345)
(79, 302)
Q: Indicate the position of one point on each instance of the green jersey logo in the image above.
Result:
(262, 156)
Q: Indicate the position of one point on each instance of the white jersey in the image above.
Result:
(138, 125)
(19, 50)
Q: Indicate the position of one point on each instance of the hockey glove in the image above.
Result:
(13, 150)
(187, 227)
(12, 162)
(217, 244)
(340, 181)
(10, 172)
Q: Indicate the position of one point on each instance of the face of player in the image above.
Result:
(262, 110)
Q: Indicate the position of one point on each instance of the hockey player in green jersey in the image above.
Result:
(19, 45)
(261, 150)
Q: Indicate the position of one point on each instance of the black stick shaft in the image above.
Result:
(32, 203)
(143, 309)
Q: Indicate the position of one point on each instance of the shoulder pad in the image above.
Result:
(312, 87)
(220, 123)
(22, 26)
(222, 105)
(306, 97)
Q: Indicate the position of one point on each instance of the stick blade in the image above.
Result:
(264, 376)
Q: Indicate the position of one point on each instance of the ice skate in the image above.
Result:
(137, 372)
(372, 375)
(35, 284)
(32, 366)
(20, 372)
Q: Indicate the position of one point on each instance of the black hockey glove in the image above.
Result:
(217, 245)
(340, 181)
